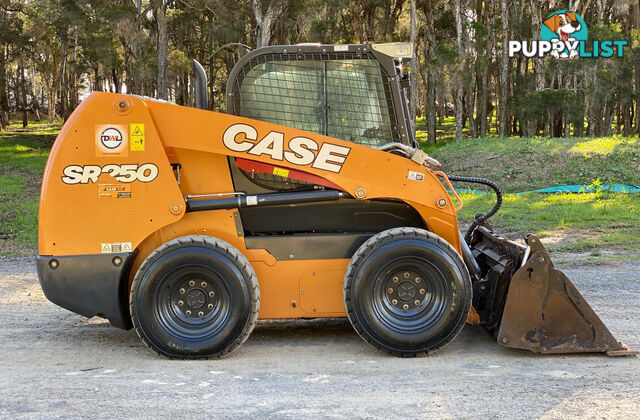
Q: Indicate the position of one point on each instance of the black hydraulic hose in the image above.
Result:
(480, 217)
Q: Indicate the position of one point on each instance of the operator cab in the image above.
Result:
(350, 92)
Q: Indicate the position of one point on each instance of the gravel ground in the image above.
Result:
(54, 363)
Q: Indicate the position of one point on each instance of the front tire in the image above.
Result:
(195, 296)
(407, 292)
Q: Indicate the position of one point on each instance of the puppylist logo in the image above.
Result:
(564, 36)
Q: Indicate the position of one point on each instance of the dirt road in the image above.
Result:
(54, 363)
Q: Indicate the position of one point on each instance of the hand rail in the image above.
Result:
(446, 178)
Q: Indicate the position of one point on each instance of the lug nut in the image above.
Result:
(211, 294)
(422, 291)
(389, 290)
(405, 306)
(394, 301)
(180, 303)
(188, 312)
(417, 302)
(182, 291)
(395, 279)
(417, 279)
(192, 283)
(406, 275)
(203, 284)
(210, 306)
(200, 314)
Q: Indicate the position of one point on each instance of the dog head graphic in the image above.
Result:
(563, 24)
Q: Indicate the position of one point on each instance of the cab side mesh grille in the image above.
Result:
(343, 95)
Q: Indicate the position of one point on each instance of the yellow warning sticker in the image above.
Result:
(136, 137)
(281, 172)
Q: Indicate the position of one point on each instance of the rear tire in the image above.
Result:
(195, 296)
(407, 292)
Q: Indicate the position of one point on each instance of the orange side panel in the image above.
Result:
(73, 220)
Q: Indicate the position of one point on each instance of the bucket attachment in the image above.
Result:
(530, 305)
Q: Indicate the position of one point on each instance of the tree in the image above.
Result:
(162, 47)
(504, 69)
(266, 20)
(414, 63)
(459, 68)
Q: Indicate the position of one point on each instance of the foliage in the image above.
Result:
(54, 51)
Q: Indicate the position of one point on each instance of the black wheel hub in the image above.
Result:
(194, 297)
(406, 290)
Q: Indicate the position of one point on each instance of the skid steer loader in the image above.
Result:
(309, 198)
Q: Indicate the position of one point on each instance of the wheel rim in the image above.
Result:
(192, 303)
(410, 295)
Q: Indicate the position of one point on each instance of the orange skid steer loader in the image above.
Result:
(309, 198)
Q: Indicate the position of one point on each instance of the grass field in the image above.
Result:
(23, 155)
(590, 222)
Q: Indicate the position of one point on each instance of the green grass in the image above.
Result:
(570, 222)
(23, 155)
(524, 164)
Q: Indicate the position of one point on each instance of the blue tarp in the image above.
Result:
(618, 188)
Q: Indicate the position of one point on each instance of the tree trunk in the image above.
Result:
(636, 65)
(63, 71)
(429, 45)
(96, 81)
(536, 25)
(414, 67)
(73, 75)
(471, 100)
(626, 116)
(265, 21)
(51, 103)
(115, 80)
(459, 69)
(504, 69)
(482, 62)
(23, 93)
(137, 62)
(4, 99)
(162, 47)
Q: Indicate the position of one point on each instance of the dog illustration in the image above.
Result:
(564, 25)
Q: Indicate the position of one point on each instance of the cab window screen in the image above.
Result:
(342, 97)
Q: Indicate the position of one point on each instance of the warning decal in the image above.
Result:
(115, 247)
(136, 137)
(114, 191)
(281, 172)
(416, 176)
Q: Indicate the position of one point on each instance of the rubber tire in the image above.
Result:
(370, 262)
(237, 277)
